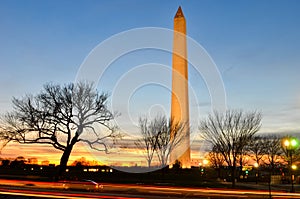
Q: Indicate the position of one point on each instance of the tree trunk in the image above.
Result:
(64, 160)
(233, 173)
(233, 176)
(66, 154)
(219, 172)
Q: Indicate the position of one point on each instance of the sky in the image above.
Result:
(255, 46)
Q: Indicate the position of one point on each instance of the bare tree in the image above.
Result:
(147, 142)
(164, 143)
(230, 132)
(257, 151)
(61, 116)
(243, 157)
(258, 148)
(273, 151)
(156, 138)
(216, 159)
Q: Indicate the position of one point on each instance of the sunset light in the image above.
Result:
(149, 99)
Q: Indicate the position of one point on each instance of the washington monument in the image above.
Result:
(180, 97)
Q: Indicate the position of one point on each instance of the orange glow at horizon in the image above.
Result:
(125, 157)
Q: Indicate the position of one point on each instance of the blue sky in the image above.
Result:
(255, 45)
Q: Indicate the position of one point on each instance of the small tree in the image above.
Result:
(147, 142)
(258, 148)
(216, 159)
(243, 157)
(156, 138)
(229, 133)
(61, 116)
(273, 151)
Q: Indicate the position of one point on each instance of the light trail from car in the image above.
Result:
(144, 190)
(50, 194)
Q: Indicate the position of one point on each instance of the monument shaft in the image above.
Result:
(180, 98)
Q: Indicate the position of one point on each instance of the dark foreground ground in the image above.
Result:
(177, 183)
(125, 191)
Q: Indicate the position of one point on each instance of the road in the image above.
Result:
(30, 189)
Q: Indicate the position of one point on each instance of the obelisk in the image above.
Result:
(180, 98)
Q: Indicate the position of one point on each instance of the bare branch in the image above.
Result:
(60, 116)
(229, 133)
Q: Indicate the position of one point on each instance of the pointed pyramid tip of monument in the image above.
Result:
(179, 13)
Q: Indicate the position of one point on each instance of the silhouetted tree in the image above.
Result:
(5, 163)
(19, 162)
(258, 148)
(243, 157)
(216, 159)
(156, 138)
(81, 162)
(177, 166)
(229, 133)
(147, 142)
(61, 116)
(273, 151)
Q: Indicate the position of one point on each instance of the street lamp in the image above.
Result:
(291, 144)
